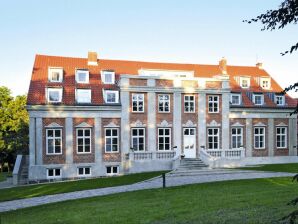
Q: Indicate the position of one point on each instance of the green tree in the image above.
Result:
(14, 126)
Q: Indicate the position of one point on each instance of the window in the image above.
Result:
(163, 103)
(265, 83)
(112, 170)
(137, 102)
(83, 140)
(55, 74)
(164, 139)
(111, 96)
(237, 139)
(54, 141)
(279, 100)
(108, 77)
(138, 139)
(82, 76)
(213, 102)
(53, 173)
(244, 82)
(54, 95)
(111, 140)
(235, 99)
(213, 138)
(83, 95)
(189, 104)
(258, 99)
(281, 137)
(259, 137)
(84, 171)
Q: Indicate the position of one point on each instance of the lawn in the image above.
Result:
(69, 186)
(288, 167)
(241, 201)
(4, 175)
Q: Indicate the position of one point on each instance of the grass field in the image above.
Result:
(69, 186)
(4, 175)
(288, 167)
(241, 201)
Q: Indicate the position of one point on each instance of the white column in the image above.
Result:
(151, 121)
(249, 141)
(125, 122)
(292, 137)
(270, 137)
(39, 141)
(32, 141)
(98, 140)
(69, 140)
(177, 123)
(225, 132)
(202, 119)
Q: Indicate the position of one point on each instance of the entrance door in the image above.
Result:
(189, 142)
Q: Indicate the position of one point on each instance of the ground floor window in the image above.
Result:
(53, 173)
(259, 137)
(84, 171)
(164, 139)
(112, 170)
(281, 137)
(213, 138)
(54, 141)
(237, 137)
(138, 139)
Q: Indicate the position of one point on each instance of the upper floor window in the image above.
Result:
(265, 83)
(244, 82)
(84, 140)
(82, 76)
(83, 95)
(137, 102)
(281, 137)
(213, 104)
(235, 99)
(111, 140)
(189, 104)
(259, 138)
(108, 77)
(111, 96)
(55, 74)
(258, 99)
(54, 95)
(163, 103)
(279, 100)
(54, 141)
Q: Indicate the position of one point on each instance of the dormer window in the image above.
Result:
(111, 96)
(279, 100)
(54, 95)
(83, 95)
(82, 76)
(235, 99)
(244, 82)
(55, 74)
(258, 99)
(108, 77)
(265, 83)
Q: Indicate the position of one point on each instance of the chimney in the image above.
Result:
(259, 65)
(92, 58)
(223, 66)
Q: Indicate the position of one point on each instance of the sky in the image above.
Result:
(189, 31)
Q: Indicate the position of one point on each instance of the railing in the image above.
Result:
(227, 153)
(159, 155)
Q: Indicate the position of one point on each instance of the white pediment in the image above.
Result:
(112, 125)
(281, 124)
(213, 123)
(84, 125)
(164, 123)
(189, 123)
(260, 124)
(138, 123)
(237, 124)
(54, 125)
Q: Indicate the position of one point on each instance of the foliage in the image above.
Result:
(14, 126)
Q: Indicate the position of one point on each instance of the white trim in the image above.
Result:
(282, 99)
(259, 135)
(111, 137)
(53, 138)
(164, 136)
(116, 92)
(286, 137)
(137, 124)
(262, 98)
(60, 91)
(164, 101)
(236, 135)
(138, 137)
(54, 173)
(189, 124)
(260, 124)
(237, 124)
(83, 137)
(53, 125)
(55, 69)
(231, 98)
(84, 171)
(111, 125)
(83, 125)
(112, 173)
(241, 82)
(214, 110)
(213, 123)
(84, 71)
(137, 102)
(189, 102)
(106, 72)
(262, 80)
(83, 90)
(213, 136)
(164, 124)
(282, 124)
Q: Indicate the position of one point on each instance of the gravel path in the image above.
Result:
(176, 178)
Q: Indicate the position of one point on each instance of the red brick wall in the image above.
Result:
(164, 83)
(284, 151)
(213, 85)
(260, 152)
(137, 82)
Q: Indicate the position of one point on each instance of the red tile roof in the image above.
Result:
(39, 80)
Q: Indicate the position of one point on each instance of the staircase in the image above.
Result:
(20, 171)
(191, 164)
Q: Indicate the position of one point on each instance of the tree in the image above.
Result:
(14, 126)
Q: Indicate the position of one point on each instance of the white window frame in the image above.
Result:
(213, 136)
(83, 137)
(188, 103)
(60, 91)
(112, 170)
(86, 72)
(84, 171)
(54, 138)
(58, 70)
(236, 137)
(163, 102)
(83, 90)
(262, 99)
(106, 92)
(265, 79)
(138, 101)
(282, 100)
(285, 135)
(213, 103)
(164, 137)
(260, 135)
(138, 136)
(54, 173)
(233, 95)
(248, 82)
(103, 76)
(111, 137)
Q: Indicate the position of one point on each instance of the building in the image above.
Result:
(98, 117)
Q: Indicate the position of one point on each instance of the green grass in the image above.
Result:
(4, 175)
(288, 167)
(241, 201)
(69, 186)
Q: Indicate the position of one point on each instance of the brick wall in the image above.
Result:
(164, 83)
(138, 82)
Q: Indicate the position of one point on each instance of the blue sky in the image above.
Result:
(154, 30)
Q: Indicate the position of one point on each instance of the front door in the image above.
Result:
(189, 142)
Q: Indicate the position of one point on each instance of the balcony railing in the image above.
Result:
(154, 155)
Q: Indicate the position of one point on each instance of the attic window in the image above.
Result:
(244, 82)
(279, 100)
(82, 76)
(258, 99)
(54, 95)
(111, 96)
(265, 83)
(108, 77)
(83, 95)
(55, 74)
